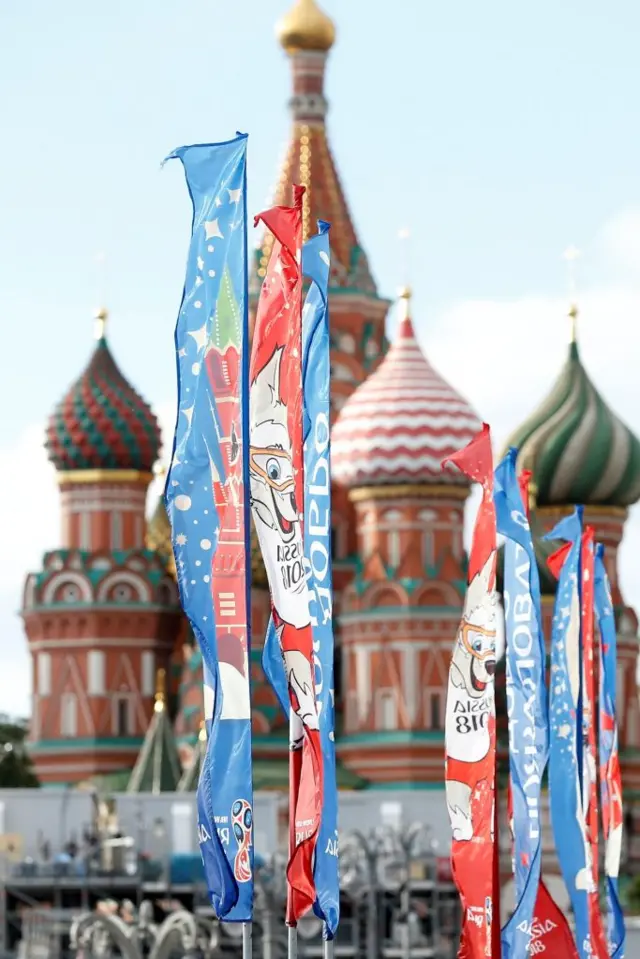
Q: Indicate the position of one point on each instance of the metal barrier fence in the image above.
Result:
(396, 903)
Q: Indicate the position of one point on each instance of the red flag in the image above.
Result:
(550, 929)
(589, 748)
(524, 482)
(550, 926)
(470, 728)
(555, 562)
(277, 486)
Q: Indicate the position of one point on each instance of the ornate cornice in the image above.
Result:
(85, 477)
(408, 490)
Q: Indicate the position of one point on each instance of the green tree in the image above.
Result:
(16, 768)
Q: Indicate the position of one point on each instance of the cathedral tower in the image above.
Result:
(101, 614)
(357, 312)
(581, 453)
(400, 613)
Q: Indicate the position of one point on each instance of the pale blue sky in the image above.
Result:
(496, 132)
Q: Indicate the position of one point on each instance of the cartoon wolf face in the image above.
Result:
(475, 650)
(272, 481)
(273, 499)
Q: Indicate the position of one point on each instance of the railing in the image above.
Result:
(395, 904)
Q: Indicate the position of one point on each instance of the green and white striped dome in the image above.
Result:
(577, 449)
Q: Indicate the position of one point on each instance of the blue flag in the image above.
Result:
(317, 539)
(527, 707)
(565, 719)
(315, 301)
(317, 536)
(209, 509)
(610, 779)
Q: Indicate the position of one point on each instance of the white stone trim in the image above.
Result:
(394, 763)
(91, 642)
(391, 615)
(117, 576)
(71, 577)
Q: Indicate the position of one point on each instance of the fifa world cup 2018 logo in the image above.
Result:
(242, 822)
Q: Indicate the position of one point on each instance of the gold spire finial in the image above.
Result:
(570, 255)
(306, 28)
(100, 316)
(160, 691)
(404, 295)
(573, 323)
(405, 292)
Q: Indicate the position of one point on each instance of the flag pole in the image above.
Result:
(292, 942)
(329, 949)
(247, 932)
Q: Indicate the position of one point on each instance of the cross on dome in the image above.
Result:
(101, 316)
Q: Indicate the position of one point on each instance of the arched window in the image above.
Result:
(44, 674)
(368, 534)
(85, 531)
(122, 715)
(148, 678)
(435, 706)
(428, 547)
(393, 548)
(69, 716)
(387, 713)
(347, 343)
(96, 672)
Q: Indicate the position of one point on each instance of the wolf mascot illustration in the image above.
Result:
(470, 701)
(277, 522)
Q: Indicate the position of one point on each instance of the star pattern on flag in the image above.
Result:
(201, 336)
(212, 229)
(194, 509)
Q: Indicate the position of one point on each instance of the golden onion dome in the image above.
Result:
(158, 536)
(306, 27)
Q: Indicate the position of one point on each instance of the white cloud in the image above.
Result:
(618, 241)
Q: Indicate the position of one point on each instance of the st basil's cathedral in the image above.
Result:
(117, 676)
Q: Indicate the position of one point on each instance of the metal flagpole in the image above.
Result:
(247, 932)
(329, 949)
(292, 942)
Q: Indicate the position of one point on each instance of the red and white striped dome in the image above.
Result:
(402, 421)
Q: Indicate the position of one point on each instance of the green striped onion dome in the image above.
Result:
(101, 422)
(577, 449)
